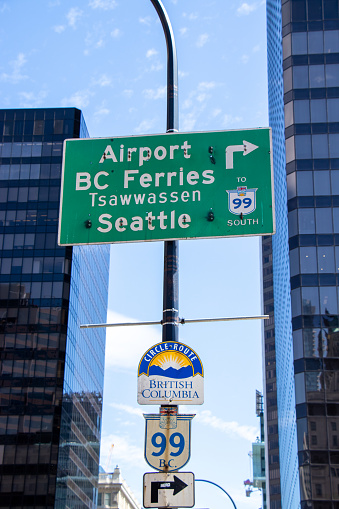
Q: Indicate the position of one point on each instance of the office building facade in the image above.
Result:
(303, 76)
(51, 380)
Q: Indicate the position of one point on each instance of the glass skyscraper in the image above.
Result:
(303, 75)
(51, 381)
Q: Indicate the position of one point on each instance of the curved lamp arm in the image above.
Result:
(222, 489)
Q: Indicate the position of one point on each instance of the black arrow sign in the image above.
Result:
(177, 485)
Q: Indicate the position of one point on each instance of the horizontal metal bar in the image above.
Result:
(93, 325)
(181, 321)
(197, 320)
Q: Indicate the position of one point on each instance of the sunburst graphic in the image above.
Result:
(167, 360)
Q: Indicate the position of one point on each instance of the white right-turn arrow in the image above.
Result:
(246, 148)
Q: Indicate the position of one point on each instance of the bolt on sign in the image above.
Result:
(167, 186)
(170, 373)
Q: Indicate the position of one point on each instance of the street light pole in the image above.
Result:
(222, 489)
(171, 248)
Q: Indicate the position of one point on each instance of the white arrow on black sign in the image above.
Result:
(177, 485)
(163, 489)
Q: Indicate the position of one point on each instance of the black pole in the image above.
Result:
(171, 248)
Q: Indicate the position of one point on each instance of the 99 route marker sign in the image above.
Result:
(168, 441)
(167, 186)
(168, 490)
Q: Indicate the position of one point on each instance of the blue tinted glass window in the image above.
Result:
(299, 43)
(306, 221)
(331, 41)
(305, 183)
(303, 147)
(294, 262)
(326, 259)
(334, 145)
(302, 112)
(300, 76)
(315, 42)
(322, 182)
(328, 300)
(318, 110)
(330, 9)
(324, 220)
(332, 75)
(336, 220)
(333, 110)
(300, 394)
(36, 149)
(310, 300)
(297, 344)
(296, 302)
(320, 146)
(317, 76)
(308, 260)
(293, 223)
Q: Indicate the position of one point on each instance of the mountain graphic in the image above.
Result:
(171, 372)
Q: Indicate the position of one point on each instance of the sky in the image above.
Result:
(108, 58)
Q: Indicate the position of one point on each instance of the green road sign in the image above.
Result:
(167, 186)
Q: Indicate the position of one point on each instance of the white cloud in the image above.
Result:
(101, 112)
(191, 16)
(206, 85)
(245, 9)
(59, 29)
(230, 120)
(16, 75)
(151, 53)
(189, 121)
(100, 43)
(32, 99)
(128, 409)
(79, 99)
(126, 345)
(183, 30)
(245, 59)
(116, 33)
(229, 427)
(182, 74)
(202, 40)
(156, 67)
(216, 112)
(102, 81)
(106, 5)
(158, 93)
(4, 7)
(145, 21)
(124, 451)
(256, 48)
(73, 15)
(201, 97)
(128, 92)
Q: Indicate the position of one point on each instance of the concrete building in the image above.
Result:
(51, 379)
(114, 493)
